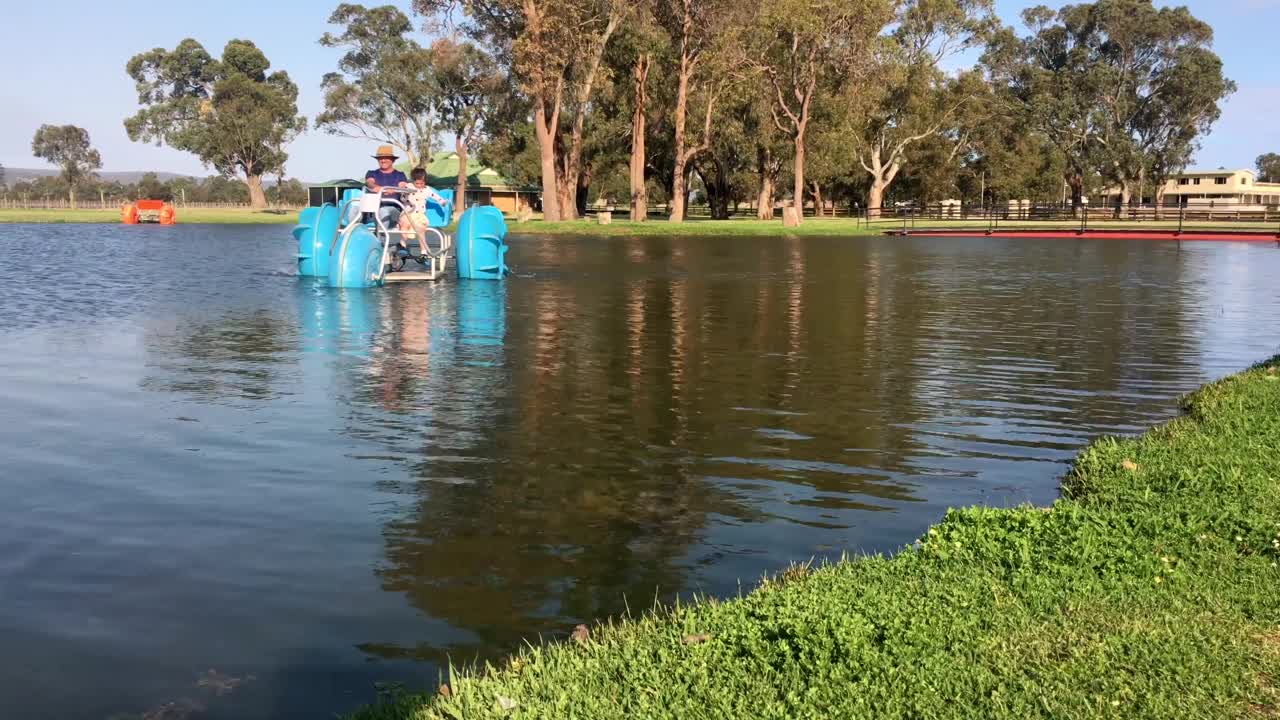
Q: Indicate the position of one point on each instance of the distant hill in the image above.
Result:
(126, 177)
(15, 174)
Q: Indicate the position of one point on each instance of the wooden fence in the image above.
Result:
(994, 213)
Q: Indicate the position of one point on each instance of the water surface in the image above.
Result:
(228, 493)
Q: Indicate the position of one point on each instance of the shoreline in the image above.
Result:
(186, 216)
(738, 227)
(1146, 590)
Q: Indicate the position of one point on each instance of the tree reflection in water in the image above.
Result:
(646, 416)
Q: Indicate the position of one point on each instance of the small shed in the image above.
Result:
(330, 192)
(485, 186)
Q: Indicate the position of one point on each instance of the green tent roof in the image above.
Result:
(442, 172)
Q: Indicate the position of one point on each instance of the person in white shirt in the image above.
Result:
(414, 218)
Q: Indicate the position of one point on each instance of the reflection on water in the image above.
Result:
(238, 469)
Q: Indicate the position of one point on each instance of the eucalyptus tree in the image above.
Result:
(701, 34)
(385, 89)
(1175, 110)
(68, 147)
(552, 49)
(638, 49)
(229, 111)
(1122, 88)
(1163, 86)
(470, 86)
(806, 49)
(1004, 160)
(914, 99)
(1051, 76)
(1268, 168)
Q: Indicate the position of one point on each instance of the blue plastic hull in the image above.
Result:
(350, 256)
(481, 244)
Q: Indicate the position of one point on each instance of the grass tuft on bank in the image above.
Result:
(1149, 590)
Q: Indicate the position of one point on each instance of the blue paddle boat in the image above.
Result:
(341, 238)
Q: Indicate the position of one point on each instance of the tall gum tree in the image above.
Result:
(1163, 87)
(807, 47)
(1171, 119)
(1122, 88)
(229, 112)
(469, 84)
(914, 99)
(553, 51)
(1268, 168)
(385, 89)
(699, 31)
(68, 147)
(639, 45)
(925, 106)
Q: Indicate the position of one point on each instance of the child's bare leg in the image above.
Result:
(406, 225)
(420, 229)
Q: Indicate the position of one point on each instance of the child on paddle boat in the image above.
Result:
(414, 218)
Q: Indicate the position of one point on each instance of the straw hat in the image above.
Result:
(386, 151)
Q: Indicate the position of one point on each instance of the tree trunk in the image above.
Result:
(567, 191)
(639, 193)
(679, 171)
(721, 210)
(797, 188)
(1076, 183)
(817, 200)
(875, 197)
(1124, 198)
(717, 188)
(546, 130)
(1159, 198)
(881, 177)
(764, 201)
(582, 190)
(71, 195)
(573, 157)
(460, 187)
(257, 198)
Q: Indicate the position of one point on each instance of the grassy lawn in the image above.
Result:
(1149, 590)
(185, 216)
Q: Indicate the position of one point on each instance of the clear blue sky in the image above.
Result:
(66, 65)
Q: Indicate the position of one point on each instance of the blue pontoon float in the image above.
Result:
(341, 238)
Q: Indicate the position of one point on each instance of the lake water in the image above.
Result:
(228, 493)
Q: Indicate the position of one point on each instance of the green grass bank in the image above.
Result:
(697, 227)
(186, 216)
(1148, 590)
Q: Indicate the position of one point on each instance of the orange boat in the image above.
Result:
(148, 211)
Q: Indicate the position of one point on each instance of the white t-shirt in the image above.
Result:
(419, 197)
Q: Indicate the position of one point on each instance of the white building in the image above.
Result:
(1234, 189)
